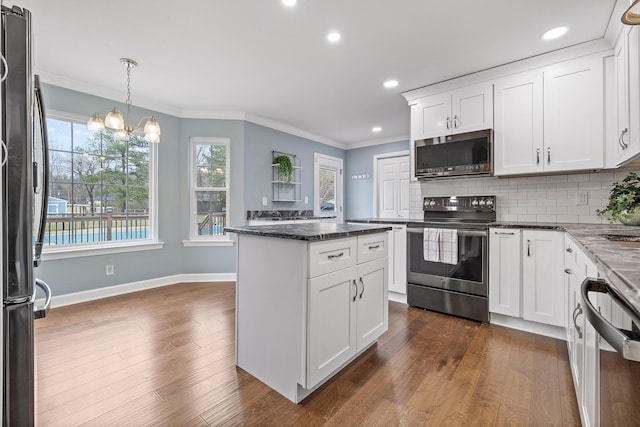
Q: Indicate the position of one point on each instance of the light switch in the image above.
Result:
(264, 201)
(306, 200)
(582, 198)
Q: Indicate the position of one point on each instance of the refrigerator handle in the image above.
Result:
(44, 140)
(41, 312)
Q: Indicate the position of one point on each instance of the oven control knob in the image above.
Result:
(432, 203)
(481, 202)
(489, 202)
(474, 203)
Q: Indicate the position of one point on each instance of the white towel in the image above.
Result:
(449, 246)
(431, 244)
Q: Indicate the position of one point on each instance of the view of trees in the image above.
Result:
(97, 173)
(211, 164)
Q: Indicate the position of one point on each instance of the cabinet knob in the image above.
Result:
(569, 250)
(568, 271)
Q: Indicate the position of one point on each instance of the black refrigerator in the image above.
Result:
(24, 208)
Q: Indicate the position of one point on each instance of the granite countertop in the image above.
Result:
(308, 232)
(283, 215)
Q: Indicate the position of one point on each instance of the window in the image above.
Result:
(100, 188)
(328, 186)
(209, 178)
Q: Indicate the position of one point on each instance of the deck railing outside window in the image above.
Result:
(65, 230)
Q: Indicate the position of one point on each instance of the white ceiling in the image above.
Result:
(258, 57)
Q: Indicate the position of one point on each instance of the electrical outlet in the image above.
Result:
(582, 198)
(110, 269)
(264, 201)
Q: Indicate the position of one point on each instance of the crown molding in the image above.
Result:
(283, 127)
(372, 142)
(213, 115)
(94, 90)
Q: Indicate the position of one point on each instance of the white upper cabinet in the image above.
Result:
(462, 110)
(550, 119)
(518, 138)
(574, 115)
(625, 145)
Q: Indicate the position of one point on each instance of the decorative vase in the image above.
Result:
(631, 219)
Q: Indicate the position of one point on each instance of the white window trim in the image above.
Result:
(317, 160)
(194, 239)
(106, 248)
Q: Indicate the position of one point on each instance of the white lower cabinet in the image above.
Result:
(505, 270)
(525, 275)
(543, 295)
(348, 311)
(582, 339)
(398, 259)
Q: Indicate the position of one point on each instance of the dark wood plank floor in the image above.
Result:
(165, 357)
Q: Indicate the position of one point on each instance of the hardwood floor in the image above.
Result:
(165, 357)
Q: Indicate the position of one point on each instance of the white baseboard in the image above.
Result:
(527, 326)
(110, 291)
(397, 297)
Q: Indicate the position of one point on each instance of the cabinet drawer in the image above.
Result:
(332, 255)
(372, 247)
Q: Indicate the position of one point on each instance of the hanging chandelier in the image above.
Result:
(115, 122)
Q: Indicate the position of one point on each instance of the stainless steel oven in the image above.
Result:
(616, 370)
(461, 287)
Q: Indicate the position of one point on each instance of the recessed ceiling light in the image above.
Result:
(554, 33)
(390, 83)
(333, 37)
(376, 129)
(289, 3)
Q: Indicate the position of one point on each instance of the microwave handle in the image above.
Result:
(623, 341)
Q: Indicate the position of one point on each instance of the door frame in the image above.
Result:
(339, 197)
(377, 157)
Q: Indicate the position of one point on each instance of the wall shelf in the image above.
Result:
(286, 191)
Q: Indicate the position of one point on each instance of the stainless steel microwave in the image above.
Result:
(469, 153)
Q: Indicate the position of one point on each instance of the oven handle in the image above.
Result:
(463, 233)
(620, 339)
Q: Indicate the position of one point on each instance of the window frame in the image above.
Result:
(110, 247)
(194, 238)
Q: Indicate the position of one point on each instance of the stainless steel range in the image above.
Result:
(447, 256)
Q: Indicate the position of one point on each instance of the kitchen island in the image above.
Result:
(310, 298)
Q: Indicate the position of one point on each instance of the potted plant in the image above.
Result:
(285, 168)
(624, 201)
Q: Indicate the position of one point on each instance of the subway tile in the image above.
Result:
(557, 178)
(527, 187)
(536, 211)
(517, 211)
(547, 187)
(536, 179)
(578, 177)
(567, 218)
(507, 217)
(527, 218)
(579, 210)
(584, 219)
(591, 185)
(567, 186)
(559, 211)
(547, 218)
(527, 203)
(536, 195)
(547, 203)
(602, 176)
(557, 195)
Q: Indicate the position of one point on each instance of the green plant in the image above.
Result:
(624, 199)
(285, 167)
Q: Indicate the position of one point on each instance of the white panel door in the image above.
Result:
(431, 116)
(392, 189)
(372, 305)
(332, 321)
(574, 116)
(543, 294)
(518, 131)
(504, 271)
(472, 108)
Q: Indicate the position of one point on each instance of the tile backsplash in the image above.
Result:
(550, 198)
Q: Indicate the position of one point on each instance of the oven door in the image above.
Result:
(614, 393)
(468, 276)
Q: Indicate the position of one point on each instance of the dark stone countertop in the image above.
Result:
(283, 215)
(528, 225)
(308, 232)
(402, 221)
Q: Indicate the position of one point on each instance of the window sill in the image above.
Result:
(51, 254)
(221, 242)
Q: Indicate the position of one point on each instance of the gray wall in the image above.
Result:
(359, 192)
(79, 274)
(259, 142)
(251, 147)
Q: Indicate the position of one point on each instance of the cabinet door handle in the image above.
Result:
(509, 233)
(336, 256)
(577, 312)
(548, 155)
(455, 121)
(537, 156)
(361, 292)
(355, 295)
(448, 123)
(528, 247)
(374, 247)
(568, 271)
(623, 144)
(569, 250)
